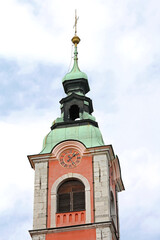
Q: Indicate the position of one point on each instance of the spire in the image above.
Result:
(76, 121)
(76, 74)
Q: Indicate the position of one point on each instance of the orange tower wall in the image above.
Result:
(89, 234)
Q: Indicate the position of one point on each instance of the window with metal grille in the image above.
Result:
(71, 196)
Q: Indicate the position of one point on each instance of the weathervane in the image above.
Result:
(75, 25)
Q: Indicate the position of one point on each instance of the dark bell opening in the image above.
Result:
(74, 112)
(71, 196)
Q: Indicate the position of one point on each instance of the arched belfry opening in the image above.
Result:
(71, 196)
(74, 112)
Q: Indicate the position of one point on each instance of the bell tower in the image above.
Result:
(77, 176)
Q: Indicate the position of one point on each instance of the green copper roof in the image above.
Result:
(89, 135)
(75, 73)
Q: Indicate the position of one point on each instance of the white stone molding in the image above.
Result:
(68, 144)
(54, 189)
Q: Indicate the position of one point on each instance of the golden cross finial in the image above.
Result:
(75, 25)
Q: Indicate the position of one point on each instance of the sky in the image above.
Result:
(119, 51)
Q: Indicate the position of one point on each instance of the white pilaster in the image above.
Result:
(101, 188)
(40, 195)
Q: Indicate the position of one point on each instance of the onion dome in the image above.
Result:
(75, 81)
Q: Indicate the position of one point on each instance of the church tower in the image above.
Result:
(77, 176)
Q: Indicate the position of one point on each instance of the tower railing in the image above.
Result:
(70, 218)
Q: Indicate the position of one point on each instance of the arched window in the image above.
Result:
(71, 196)
(74, 112)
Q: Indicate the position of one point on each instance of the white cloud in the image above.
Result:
(139, 204)
(119, 52)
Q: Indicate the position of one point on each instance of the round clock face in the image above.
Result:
(70, 158)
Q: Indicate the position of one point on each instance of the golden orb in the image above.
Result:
(76, 40)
